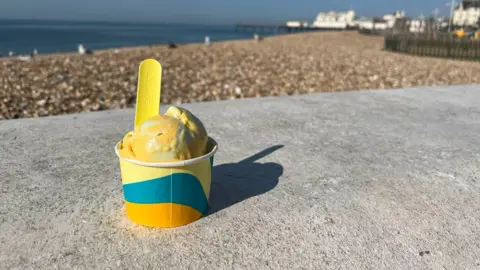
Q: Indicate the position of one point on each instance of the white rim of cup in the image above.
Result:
(175, 163)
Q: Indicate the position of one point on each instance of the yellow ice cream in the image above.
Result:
(176, 135)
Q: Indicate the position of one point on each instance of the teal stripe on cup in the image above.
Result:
(180, 188)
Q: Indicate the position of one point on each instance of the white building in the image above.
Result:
(380, 25)
(387, 22)
(417, 25)
(391, 18)
(332, 19)
(297, 24)
(467, 13)
(364, 24)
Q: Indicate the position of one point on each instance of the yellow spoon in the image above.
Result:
(148, 91)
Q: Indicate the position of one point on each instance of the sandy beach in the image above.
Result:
(282, 65)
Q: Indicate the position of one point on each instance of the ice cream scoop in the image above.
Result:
(194, 126)
(176, 135)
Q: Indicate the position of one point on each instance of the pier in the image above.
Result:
(258, 28)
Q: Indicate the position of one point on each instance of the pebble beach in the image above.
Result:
(281, 65)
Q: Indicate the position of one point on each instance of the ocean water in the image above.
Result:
(23, 36)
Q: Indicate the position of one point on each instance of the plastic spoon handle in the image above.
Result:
(148, 91)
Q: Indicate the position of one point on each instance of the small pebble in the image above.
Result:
(238, 91)
(424, 252)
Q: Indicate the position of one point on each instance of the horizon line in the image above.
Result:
(114, 21)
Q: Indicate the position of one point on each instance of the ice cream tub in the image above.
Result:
(167, 194)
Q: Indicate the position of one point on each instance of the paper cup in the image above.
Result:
(167, 194)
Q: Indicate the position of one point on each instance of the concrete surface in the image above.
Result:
(359, 180)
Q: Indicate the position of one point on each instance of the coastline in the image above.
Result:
(299, 63)
(129, 48)
(122, 48)
(49, 37)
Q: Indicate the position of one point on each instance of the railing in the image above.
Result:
(434, 45)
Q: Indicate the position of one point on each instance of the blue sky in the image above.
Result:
(206, 11)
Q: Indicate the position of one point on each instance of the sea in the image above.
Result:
(23, 36)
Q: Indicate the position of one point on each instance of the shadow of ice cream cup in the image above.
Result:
(167, 194)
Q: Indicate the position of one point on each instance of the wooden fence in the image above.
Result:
(434, 45)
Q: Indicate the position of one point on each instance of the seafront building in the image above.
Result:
(379, 24)
(417, 25)
(329, 20)
(297, 24)
(467, 13)
(337, 20)
(348, 20)
(390, 19)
